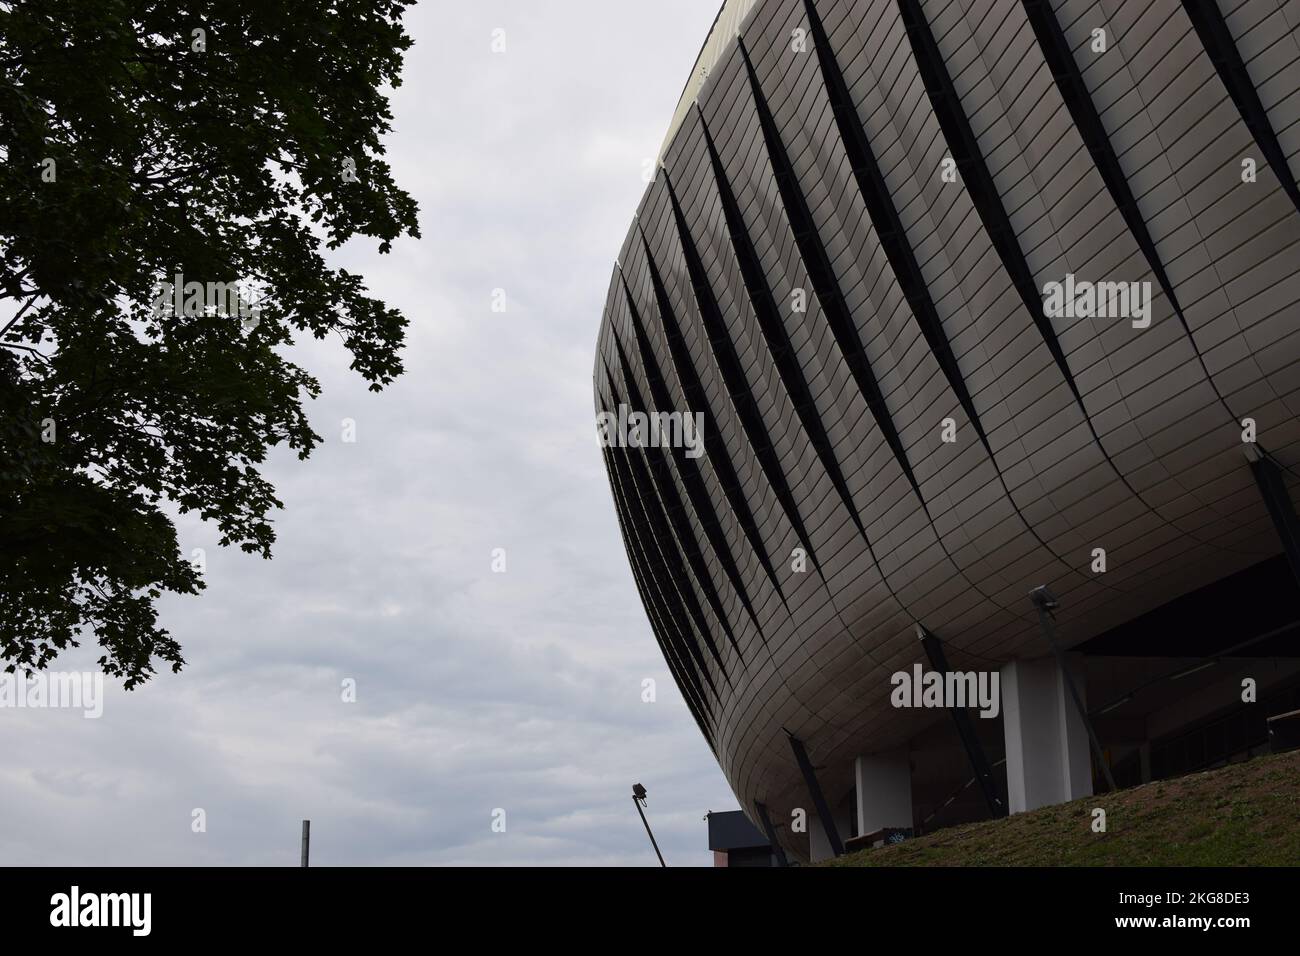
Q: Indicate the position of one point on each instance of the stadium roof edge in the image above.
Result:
(726, 26)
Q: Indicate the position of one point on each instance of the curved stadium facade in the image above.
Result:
(894, 261)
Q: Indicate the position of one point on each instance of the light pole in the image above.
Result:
(638, 797)
(1046, 603)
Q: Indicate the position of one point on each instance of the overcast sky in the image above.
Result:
(475, 690)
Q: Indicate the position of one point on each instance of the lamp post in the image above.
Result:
(1045, 601)
(638, 797)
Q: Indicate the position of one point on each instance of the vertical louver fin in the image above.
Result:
(817, 263)
(742, 401)
(1217, 40)
(703, 507)
(675, 579)
(656, 573)
(773, 329)
(687, 680)
(671, 562)
(976, 177)
(984, 195)
(886, 222)
(1069, 81)
(711, 437)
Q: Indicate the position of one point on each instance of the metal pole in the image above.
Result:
(965, 729)
(306, 840)
(815, 791)
(771, 834)
(646, 823)
(1044, 601)
(1272, 486)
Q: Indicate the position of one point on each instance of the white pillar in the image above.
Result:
(884, 786)
(1047, 743)
(819, 848)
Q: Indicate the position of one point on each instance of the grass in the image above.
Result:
(1246, 814)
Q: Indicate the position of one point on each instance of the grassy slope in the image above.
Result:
(1244, 814)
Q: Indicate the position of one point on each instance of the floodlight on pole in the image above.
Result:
(1046, 602)
(639, 798)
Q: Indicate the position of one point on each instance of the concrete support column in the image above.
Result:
(1048, 758)
(884, 787)
(819, 848)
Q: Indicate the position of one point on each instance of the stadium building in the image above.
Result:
(989, 315)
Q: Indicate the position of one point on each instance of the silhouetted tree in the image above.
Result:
(228, 143)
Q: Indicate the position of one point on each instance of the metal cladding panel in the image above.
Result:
(802, 274)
